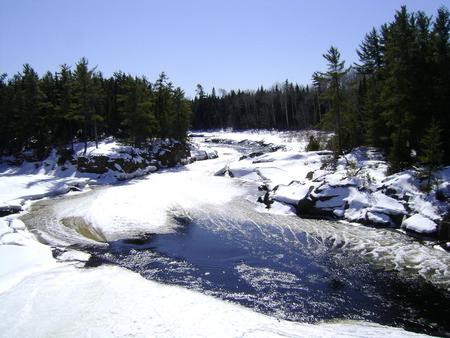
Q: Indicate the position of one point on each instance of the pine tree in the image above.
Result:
(29, 118)
(334, 92)
(431, 152)
(66, 119)
(440, 46)
(84, 98)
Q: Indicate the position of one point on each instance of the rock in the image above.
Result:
(225, 171)
(444, 228)
(306, 207)
(173, 154)
(201, 155)
(251, 155)
(266, 199)
(9, 209)
(94, 164)
(378, 219)
(64, 156)
(420, 224)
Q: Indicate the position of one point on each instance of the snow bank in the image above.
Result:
(20, 253)
(16, 189)
(147, 309)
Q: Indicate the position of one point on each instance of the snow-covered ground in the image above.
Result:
(358, 190)
(46, 178)
(59, 298)
(113, 302)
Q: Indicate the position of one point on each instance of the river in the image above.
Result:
(187, 227)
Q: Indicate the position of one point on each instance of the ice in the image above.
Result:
(143, 206)
(109, 301)
(420, 224)
(113, 302)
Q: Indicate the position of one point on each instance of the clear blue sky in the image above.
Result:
(225, 44)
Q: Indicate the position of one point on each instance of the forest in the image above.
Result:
(82, 105)
(396, 98)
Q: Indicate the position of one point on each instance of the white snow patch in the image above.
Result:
(386, 204)
(420, 224)
(291, 194)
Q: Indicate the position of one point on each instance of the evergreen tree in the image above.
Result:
(65, 117)
(431, 153)
(84, 98)
(334, 92)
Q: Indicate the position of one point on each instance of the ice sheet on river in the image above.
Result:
(137, 207)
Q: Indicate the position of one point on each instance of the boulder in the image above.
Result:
(444, 228)
(420, 224)
(172, 154)
(6, 210)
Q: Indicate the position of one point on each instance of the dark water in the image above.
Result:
(282, 273)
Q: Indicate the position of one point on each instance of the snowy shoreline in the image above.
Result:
(357, 190)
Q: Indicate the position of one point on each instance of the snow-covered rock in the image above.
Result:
(420, 224)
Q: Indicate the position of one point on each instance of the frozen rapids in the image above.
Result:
(190, 228)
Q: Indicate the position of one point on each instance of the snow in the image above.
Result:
(16, 189)
(144, 206)
(20, 253)
(291, 194)
(292, 140)
(281, 167)
(420, 224)
(113, 302)
(386, 204)
(277, 208)
(378, 218)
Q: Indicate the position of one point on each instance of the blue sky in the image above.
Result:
(225, 44)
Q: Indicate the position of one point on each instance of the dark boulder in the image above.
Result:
(444, 228)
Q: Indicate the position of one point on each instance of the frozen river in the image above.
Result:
(188, 227)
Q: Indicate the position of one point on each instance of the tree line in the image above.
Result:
(83, 105)
(284, 106)
(396, 98)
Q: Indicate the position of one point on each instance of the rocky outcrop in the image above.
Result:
(6, 210)
(165, 154)
(171, 154)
